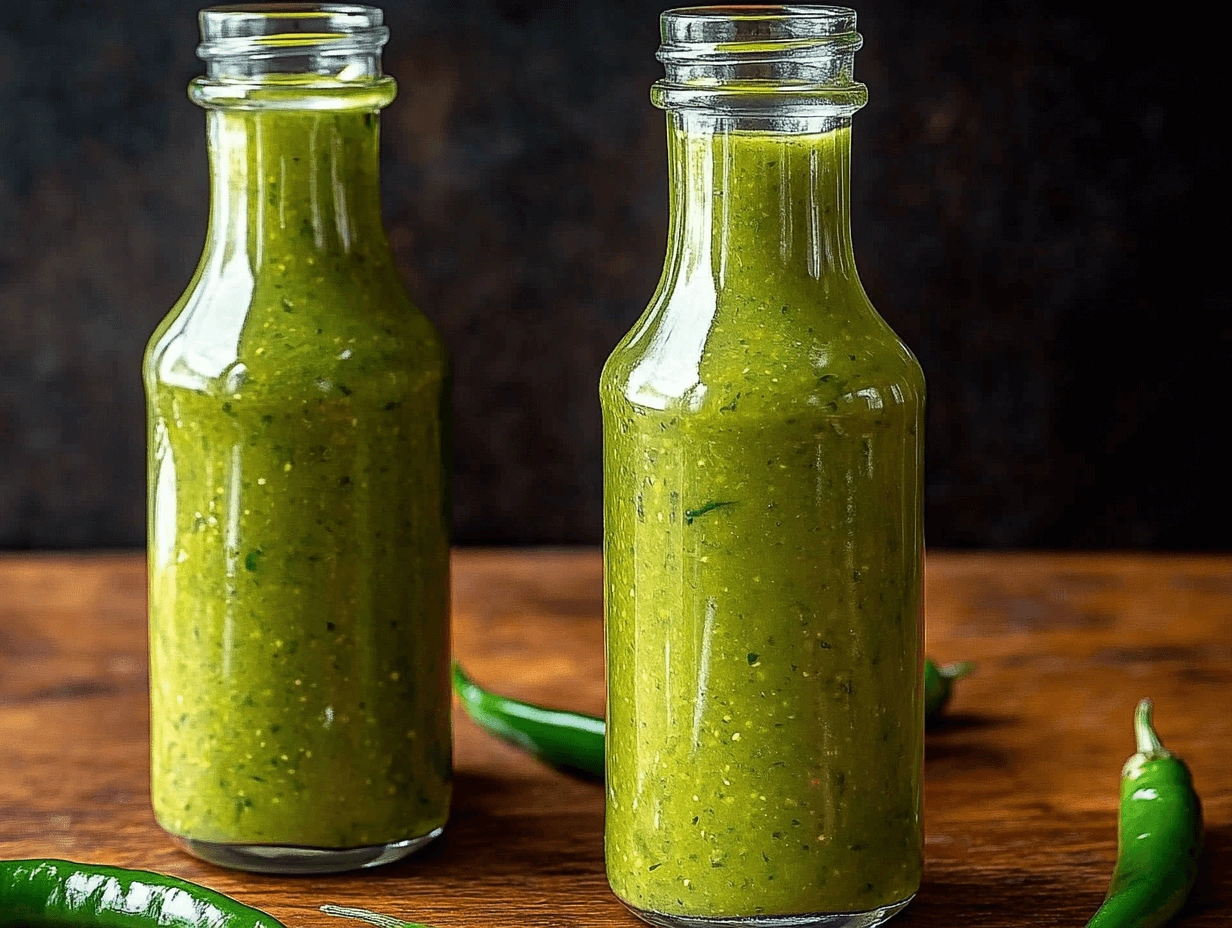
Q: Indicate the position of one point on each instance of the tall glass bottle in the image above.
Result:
(763, 435)
(298, 503)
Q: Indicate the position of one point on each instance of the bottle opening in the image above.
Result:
(741, 23)
(246, 40)
(323, 52)
(760, 60)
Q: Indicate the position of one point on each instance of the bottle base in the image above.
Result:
(868, 919)
(288, 860)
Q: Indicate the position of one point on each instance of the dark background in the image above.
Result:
(1040, 211)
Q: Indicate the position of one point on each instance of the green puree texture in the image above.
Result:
(299, 512)
(763, 436)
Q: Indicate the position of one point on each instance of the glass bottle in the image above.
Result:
(763, 436)
(298, 499)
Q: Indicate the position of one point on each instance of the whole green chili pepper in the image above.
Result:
(62, 894)
(939, 685)
(568, 740)
(573, 741)
(372, 918)
(1159, 836)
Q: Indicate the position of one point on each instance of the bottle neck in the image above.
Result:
(288, 184)
(755, 206)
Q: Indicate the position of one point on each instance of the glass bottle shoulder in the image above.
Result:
(313, 330)
(826, 350)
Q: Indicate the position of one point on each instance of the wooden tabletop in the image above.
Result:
(1021, 783)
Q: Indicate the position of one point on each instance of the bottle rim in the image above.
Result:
(760, 60)
(270, 31)
(292, 56)
(685, 26)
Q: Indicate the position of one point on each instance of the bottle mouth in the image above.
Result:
(293, 37)
(326, 48)
(760, 60)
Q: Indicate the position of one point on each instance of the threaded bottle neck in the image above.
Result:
(293, 56)
(760, 61)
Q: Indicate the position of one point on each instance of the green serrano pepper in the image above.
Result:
(568, 740)
(1159, 837)
(61, 894)
(939, 686)
(574, 742)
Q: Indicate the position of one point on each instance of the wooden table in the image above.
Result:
(1021, 783)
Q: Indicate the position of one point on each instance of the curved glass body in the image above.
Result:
(298, 509)
(763, 434)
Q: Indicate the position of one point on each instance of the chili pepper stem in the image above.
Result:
(1149, 744)
(372, 918)
(957, 670)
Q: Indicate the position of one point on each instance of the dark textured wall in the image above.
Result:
(1039, 205)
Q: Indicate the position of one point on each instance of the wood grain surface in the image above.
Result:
(1021, 782)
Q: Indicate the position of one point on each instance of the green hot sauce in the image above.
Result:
(763, 440)
(299, 572)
